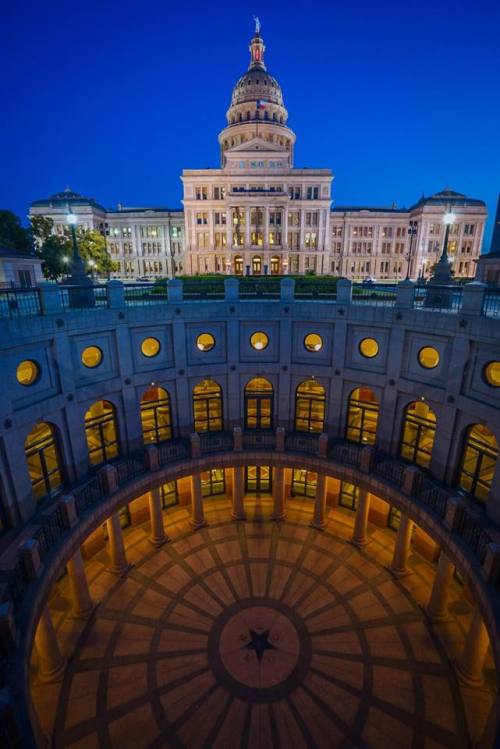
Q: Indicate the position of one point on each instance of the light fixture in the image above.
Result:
(65, 259)
(448, 218)
(72, 219)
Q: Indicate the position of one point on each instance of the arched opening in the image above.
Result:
(259, 397)
(43, 459)
(310, 401)
(479, 458)
(419, 430)
(101, 433)
(207, 406)
(156, 416)
(362, 416)
(256, 265)
(238, 265)
(275, 265)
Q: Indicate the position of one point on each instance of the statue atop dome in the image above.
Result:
(257, 25)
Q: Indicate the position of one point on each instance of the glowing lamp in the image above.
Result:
(448, 218)
(72, 219)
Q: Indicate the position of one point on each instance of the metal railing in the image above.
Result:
(383, 295)
(346, 453)
(438, 298)
(304, 443)
(80, 297)
(491, 303)
(19, 303)
(173, 450)
(259, 440)
(389, 468)
(471, 531)
(214, 442)
(139, 294)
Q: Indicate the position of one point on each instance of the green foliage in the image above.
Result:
(13, 236)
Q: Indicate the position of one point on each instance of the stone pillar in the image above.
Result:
(119, 562)
(52, 663)
(318, 520)
(116, 294)
(238, 512)
(359, 533)
(197, 510)
(158, 535)
(83, 605)
(279, 494)
(437, 608)
(50, 298)
(470, 664)
(402, 547)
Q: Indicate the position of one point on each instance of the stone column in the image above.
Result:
(158, 535)
(238, 512)
(359, 533)
(318, 520)
(402, 547)
(119, 562)
(52, 662)
(197, 511)
(83, 605)
(437, 608)
(279, 494)
(470, 664)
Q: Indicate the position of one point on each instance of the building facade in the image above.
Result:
(258, 214)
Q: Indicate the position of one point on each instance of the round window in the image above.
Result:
(91, 356)
(313, 342)
(492, 373)
(428, 357)
(368, 347)
(259, 340)
(27, 372)
(205, 341)
(150, 347)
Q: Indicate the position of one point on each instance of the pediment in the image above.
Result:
(257, 144)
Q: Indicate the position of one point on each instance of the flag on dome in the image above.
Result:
(261, 104)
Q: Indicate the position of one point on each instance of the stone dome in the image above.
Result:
(257, 84)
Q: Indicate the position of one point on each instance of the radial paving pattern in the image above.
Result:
(258, 635)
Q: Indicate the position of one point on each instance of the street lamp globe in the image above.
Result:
(72, 219)
(448, 218)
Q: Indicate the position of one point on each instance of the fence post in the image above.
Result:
(237, 439)
(287, 289)
(367, 457)
(344, 291)
(68, 509)
(50, 298)
(473, 297)
(29, 552)
(452, 508)
(323, 445)
(410, 473)
(405, 294)
(231, 289)
(175, 290)
(109, 478)
(280, 439)
(151, 458)
(116, 293)
(195, 445)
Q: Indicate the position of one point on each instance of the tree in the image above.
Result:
(92, 246)
(13, 236)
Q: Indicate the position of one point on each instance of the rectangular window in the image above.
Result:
(275, 237)
(201, 218)
(213, 482)
(387, 232)
(349, 495)
(294, 218)
(312, 193)
(201, 192)
(303, 483)
(169, 494)
(295, 193)
(336, 231)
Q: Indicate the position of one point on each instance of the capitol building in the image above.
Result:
(259, 214)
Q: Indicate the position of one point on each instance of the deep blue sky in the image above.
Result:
(115, 98)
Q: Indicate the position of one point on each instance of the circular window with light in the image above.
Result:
(205, 342)
(368, 347)
(492, 374)
(313, 342)
(259, 340)
(428, 357)
(27, 372)
(150, 347)
(91, 356)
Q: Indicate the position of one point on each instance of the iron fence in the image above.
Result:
(137, 294)
(346, 453)
(215, 442)
(471, 531)
(255, 440)
(173, 450)
(441, 298)
(89, 494)
(19, 303)
(383, 295)
(80, 297)
(392, 470)
(302, 443)
(491, 303)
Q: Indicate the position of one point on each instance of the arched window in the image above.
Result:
(256, 265)
(309, 407)
(419, 429)
(156, 417)
(207, 407)
(43, 459)
(102, 434)
(259, 404)
(479, 459)
(238, 265)
(362, 416)
(275, 265)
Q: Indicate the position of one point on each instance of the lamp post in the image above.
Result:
(78, 275)
(412, 233)
(442, 272)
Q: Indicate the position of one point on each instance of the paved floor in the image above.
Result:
(258, 635)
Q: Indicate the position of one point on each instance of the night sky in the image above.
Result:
(115, 98)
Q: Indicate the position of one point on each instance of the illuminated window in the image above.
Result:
(349, 495)
(258, 479)
(259, 340)
(419, 429)
(303, 483)
(368, 347)
(27, 372)
(207, 407)
(394, 518)
(156, 416)
(492, 373)
(205, 342)
(101, 432)
(213, 482)
(479, 460)
(42, 456)
(313, 342)
(150, 347)
(91, 356)
(309, 407)
(256, 265)
(362, 416)
(428, 357)
(259, 404)
(169, 494)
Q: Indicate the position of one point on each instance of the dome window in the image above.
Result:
(91, 356)
(368, 348)
(205, 342)
(28, 372)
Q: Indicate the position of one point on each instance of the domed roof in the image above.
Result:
(67, 197)
(257, 84)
